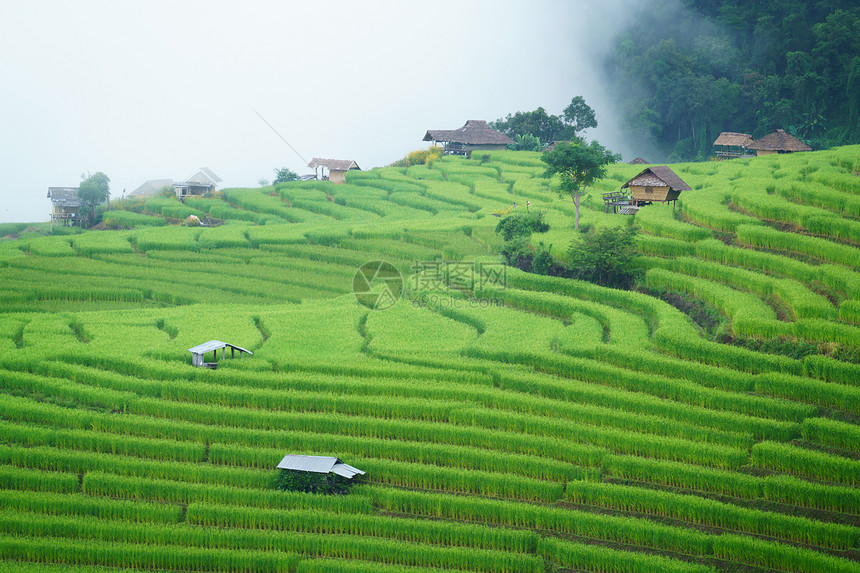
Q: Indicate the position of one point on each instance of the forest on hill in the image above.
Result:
(685, 71)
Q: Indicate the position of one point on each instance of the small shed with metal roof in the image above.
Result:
(319, 465)
(198, 353)
(655, 184)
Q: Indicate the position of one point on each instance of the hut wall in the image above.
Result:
(337, 177)
(648, 193)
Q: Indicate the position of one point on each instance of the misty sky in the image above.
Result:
(155, 90)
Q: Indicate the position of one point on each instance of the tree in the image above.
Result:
(578, 166)
(605, 257)
(283, 175)
(527, 142)
(263, 182)
(517, 230)
(538, 123)
(94, 190)
(579, 115)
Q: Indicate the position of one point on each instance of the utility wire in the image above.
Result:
(281, 136)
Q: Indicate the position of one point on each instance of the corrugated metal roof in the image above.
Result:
(65, 196)
(318, 464)
(204, 176)
(215, 345)
(151, 187)
(346, 470)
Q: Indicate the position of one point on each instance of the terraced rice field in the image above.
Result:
(507, 422)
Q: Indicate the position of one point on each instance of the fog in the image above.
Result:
(152, 90)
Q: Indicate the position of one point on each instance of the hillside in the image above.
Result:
(506, 421)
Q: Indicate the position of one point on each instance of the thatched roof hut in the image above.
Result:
(475, 134)
(336, 168)
(731, 145)
(778, 142)
(638, 161)
(658, 183)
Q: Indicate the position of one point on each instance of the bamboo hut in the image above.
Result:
(333, 170)
(731, 145)
(655, 184)
(778, 142)
(474, 135)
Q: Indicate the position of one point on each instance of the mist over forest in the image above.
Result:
(684, 71)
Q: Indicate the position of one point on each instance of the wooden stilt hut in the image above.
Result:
(655, 184)
(731, 145)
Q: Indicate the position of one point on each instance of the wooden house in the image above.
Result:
(655, 184)
(731, 145)
(638, 161)
(200, 184)
(319, 465)
(65, 205)
(333, 170)
(198, 353)
(474, 135)
(778, 142)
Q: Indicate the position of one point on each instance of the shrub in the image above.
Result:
(605, 257)
(420, 157)
(312, 482)
(522, 225)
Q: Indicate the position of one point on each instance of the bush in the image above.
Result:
(312, 482)
(420, 157)
(605, 257)
(521, 225)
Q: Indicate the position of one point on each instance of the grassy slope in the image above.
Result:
(588, 428)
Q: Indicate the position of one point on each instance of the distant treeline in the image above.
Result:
(686, 71)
